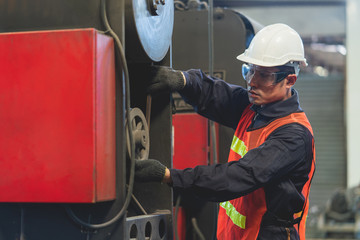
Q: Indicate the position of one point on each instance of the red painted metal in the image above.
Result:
(190, 140)
(57, 116)
(181, 224)
(190, 150)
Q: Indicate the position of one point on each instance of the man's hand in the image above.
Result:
(149, 171)
(165, 79)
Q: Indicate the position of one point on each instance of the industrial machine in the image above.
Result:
(69, 99)
(74, 115)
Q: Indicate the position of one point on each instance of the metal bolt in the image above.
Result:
(153, 6)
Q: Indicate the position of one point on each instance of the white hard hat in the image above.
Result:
(275, 45)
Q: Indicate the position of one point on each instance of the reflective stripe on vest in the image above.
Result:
(238, 146)
(237, 218)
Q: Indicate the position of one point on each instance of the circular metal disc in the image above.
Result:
(154, 32)
(140, 133)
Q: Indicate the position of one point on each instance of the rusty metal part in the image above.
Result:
(149, 26)
(148, 109)
(140, 132)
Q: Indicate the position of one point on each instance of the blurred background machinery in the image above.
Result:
(339, 217)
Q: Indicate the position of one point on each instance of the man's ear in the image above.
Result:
(291, 80)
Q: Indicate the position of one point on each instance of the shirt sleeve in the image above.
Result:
(213, 98)
(285, 151)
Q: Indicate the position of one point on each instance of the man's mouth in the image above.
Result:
(251, 92)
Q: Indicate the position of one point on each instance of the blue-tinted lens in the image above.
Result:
(245, 70)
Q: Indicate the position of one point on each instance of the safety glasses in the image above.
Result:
(265, 77)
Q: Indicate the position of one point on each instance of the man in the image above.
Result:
(263, 190)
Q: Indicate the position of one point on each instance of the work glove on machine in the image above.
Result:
(150, 170)
(165, 79)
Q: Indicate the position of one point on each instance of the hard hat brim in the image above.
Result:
(242, 57)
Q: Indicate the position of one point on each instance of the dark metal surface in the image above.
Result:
(26, 15)
(153, 196)
(148, 36)
(49, 221)
(154, 226)
(281, 3)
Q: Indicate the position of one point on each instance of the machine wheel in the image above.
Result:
(140, 133)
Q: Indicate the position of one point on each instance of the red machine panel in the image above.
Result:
(57, 116)
(190, 150)
(190, 140)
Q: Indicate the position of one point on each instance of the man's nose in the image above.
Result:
(252, 82)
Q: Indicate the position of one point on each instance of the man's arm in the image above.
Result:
(213, 98)
(286, 151)
(167, 177)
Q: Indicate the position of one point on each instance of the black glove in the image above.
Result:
(149, 171)
(165, 79)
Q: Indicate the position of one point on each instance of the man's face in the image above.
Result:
(263, 88)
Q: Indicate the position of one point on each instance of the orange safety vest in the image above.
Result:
(240, 218)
